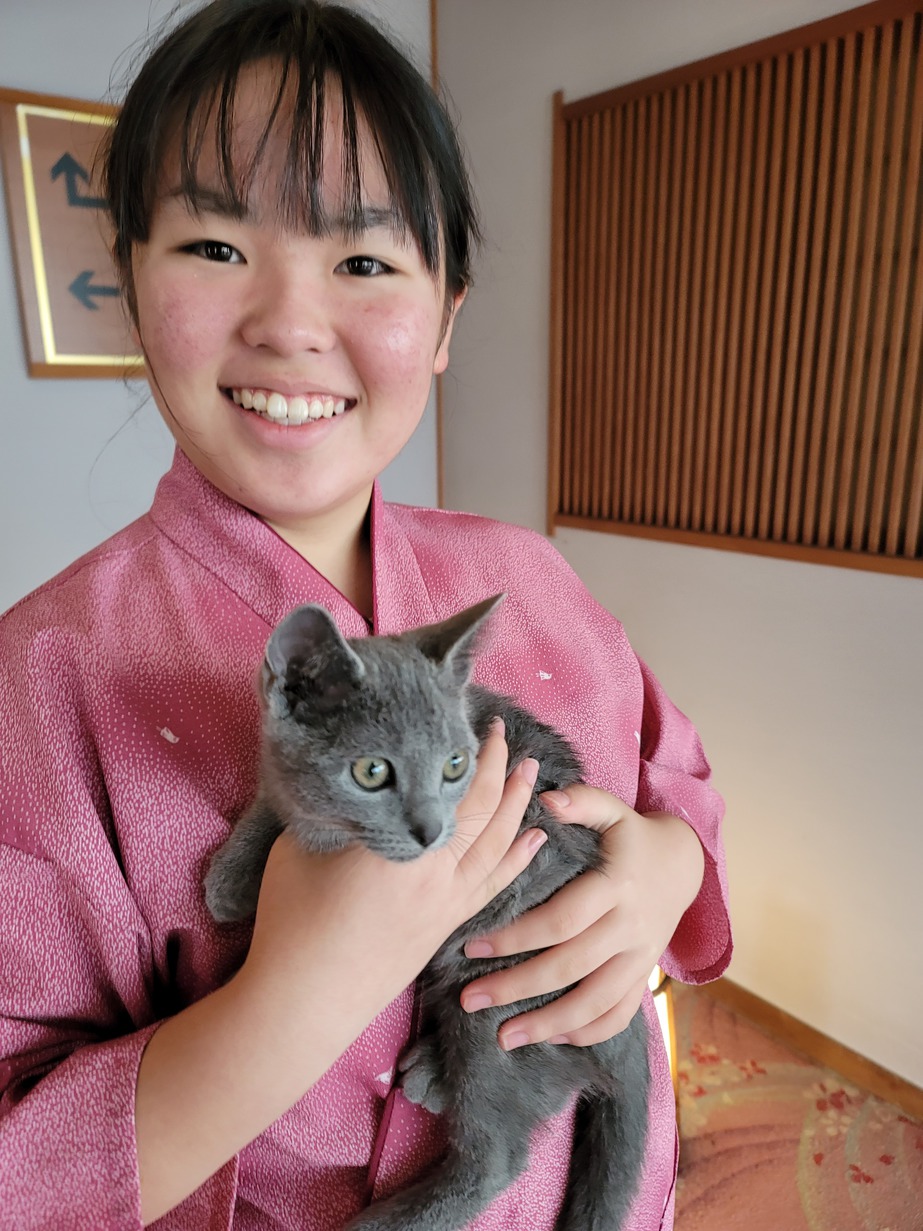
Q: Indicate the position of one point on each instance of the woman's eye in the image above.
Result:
(372, 773)
(455, 766)
(365, 266)
(215, 250)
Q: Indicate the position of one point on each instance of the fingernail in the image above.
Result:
(529, 769)
(537, 838)
(479, 948)
(497, 726)
(559, 1038)
(518, 1038)
(557, 798)
(477, 1000)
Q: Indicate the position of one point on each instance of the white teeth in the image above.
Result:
(297, 410)
(294, 411)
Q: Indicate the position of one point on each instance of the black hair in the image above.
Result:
(192, 76)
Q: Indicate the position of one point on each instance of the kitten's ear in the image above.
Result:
(307, 659)
(452, 642)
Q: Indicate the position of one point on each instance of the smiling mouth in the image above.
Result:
(290, 410)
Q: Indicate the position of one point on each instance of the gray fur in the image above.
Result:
(328, 703)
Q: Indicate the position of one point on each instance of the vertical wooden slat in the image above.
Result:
(885, 525)
(791, 158)
(601, 307)
(625, 306)
(803, 315)
(585, 266)
(832, 496)
(744, 399)
(660, 205)
(681, 408)
(671, 307)
(631, 391)
(905, 511)
(590, 409)
(633, 417)
(767, 259)
(868, 256)
(734, 411)
(910, 414)
(710, 304)
(582, 352)
(837, 113)
(694, 306)
(572, 375)
(614, 323)
(878, 417)
(642, 409)
(719, 412)
(809, 403)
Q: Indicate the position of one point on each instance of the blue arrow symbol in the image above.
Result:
(72, 171)
(81, 288)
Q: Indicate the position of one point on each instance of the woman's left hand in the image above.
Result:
(604, 931)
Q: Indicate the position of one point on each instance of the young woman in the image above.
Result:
(293, 231)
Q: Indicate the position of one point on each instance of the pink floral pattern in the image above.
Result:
(773, 1142)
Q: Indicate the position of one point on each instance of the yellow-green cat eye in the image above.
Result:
(372, 773)
(455, 766)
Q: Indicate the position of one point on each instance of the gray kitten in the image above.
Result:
(374, 740)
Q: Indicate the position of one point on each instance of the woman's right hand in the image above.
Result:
(361, 927)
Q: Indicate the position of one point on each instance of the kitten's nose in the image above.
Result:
(426, 830)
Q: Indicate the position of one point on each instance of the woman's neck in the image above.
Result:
(340, 550)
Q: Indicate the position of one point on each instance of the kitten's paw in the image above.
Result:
(422, 1079)
(374, 1220)
(230, 894)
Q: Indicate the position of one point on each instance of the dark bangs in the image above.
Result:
(186, 89)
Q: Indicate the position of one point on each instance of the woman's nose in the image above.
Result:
(291, 313)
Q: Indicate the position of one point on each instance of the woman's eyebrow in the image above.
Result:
(211, 201)
(351, 223)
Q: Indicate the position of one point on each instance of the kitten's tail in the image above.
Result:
(610, 1135)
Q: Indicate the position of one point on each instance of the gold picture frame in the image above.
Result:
(73, 318)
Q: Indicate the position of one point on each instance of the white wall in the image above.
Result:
(80, 459)
(806, 682)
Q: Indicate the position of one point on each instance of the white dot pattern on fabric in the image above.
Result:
(132, 731)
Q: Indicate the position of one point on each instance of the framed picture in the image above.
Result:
(73, 319)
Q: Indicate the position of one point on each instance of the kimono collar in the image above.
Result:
(247, 556)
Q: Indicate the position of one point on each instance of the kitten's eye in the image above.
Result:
(372, 773)
(215, 250)
(455, 766)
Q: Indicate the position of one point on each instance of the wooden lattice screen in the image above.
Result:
(737, 299)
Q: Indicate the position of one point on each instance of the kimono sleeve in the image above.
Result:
(674, 777)
(68, 1073)
(67, 1152)
(78, 990)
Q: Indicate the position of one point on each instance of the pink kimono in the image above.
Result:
(130, 732)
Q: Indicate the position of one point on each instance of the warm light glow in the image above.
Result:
(659, 983)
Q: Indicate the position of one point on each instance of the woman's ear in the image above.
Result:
(441, 362)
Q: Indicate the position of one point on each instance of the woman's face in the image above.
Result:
(291, 369)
